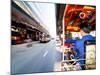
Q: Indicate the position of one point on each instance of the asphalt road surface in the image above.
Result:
(40, 57)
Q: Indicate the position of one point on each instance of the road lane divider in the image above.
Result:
(45, 53)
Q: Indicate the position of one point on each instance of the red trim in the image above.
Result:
(70, 9)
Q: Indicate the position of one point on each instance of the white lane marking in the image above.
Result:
(45, 53)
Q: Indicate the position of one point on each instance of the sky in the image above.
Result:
(46, 15)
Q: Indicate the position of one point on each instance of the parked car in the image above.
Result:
(16, 38)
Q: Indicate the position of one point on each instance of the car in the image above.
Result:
(58, 41)
(16, 38)
(44, 38)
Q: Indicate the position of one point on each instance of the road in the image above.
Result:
(41, 57)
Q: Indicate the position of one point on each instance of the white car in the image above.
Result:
(58, 41)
